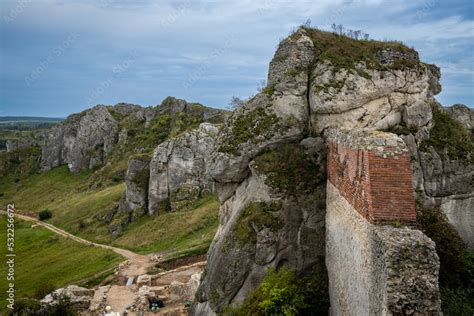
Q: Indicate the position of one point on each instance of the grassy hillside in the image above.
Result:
(187, 232)
(78, 210)
(44, 260)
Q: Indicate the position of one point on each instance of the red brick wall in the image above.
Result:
(380, 189)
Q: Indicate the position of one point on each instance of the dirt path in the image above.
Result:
(119, 297)
(136, 264)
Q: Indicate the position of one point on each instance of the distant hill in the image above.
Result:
(9, 119)
(21, 123)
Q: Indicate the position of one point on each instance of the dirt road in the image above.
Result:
(137, 264)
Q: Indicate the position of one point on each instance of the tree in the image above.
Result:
(357, 34)
(307, 23)
(235, 102)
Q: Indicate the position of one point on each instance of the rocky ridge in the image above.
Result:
(271, 217)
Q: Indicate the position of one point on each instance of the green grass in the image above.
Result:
(344, 52)
(77, 209)
(42, 260)
(187, 232)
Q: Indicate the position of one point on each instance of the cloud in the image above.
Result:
(174, 39)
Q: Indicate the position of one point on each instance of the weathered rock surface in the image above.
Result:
(445, 180)
(136, 182)
(179, 169)
(283, 227)
(379, 99)
(25, 142)
(82, 141)
(80, 298)
(463, 114)
(277, 115)
(305, 95)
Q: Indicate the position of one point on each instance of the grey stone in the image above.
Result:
(82, 141)
(179, 168)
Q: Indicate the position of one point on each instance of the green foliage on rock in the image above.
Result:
(456, 275)
(284, 292)
(449, 138)
(20, 163)
(345, 52)
(256, 215)
(255, 126)
(289, 169)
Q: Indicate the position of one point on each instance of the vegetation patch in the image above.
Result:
(289, 169)
(255, 126)
(456, 274)
(45, 214)
(401, 129)
(166, 232)
(19, 164)
(284, 292)
(449, 138)
(256, 216)
(345, 52)
(269, 89)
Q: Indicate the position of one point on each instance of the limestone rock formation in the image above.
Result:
(85, 140)
(463, 114)
(269, 159)
(136, 181)
(442, 160)
(24, 142)
(366, 97)
(179, 169)
(82, 141)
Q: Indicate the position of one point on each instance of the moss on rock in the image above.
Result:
(254, 126)
(256, 215)
(288, 168)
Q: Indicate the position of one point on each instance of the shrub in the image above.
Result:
(283, 292)
(457, 302)
(45, 214)
(456, 274)
(289, 169)
(449, 137)
(26, 306)
(449, 246)
(43, 290)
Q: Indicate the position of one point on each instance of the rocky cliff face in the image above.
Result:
(442, 159)
(82, 141)
(179, 169)
(176, 174)
(269, 162)
(85, 140)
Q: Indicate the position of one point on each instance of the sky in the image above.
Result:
(62, 56)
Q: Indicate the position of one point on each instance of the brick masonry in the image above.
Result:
(372, 171)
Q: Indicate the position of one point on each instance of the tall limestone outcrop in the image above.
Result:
(82, 141)
(178, 169)
(269, 161)
(442, 159)
(85, 140)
